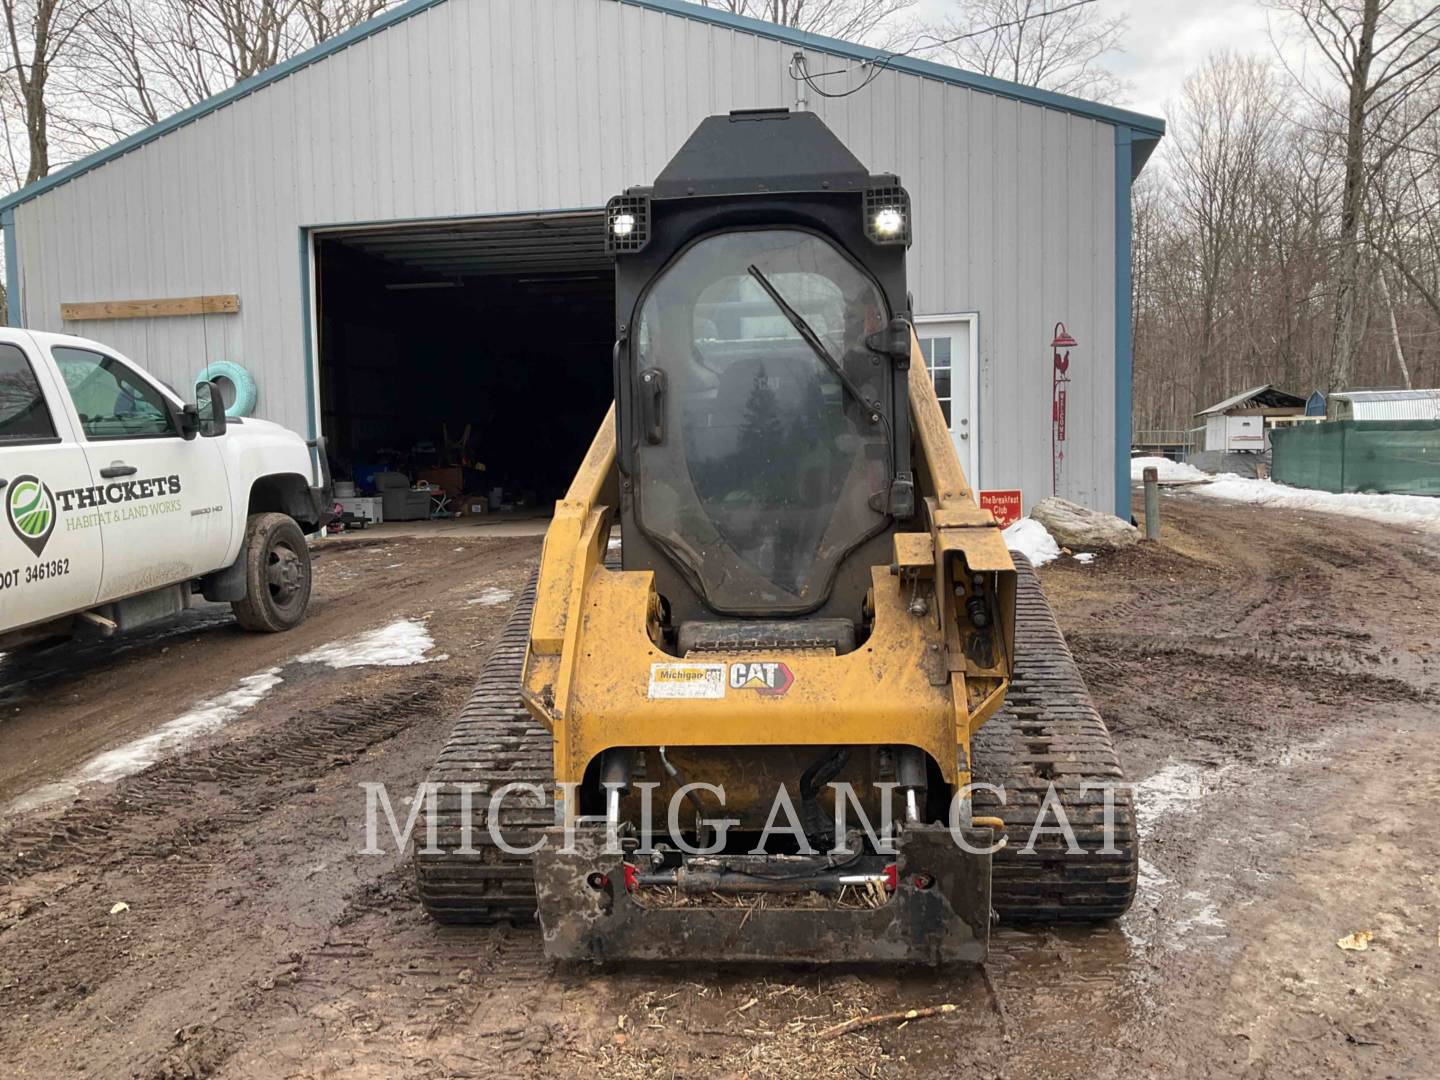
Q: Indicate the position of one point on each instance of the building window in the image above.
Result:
(24, 416)
(936, 351)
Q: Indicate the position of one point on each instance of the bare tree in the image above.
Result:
(39, 35)
(871, 21)
(1037, 43)
(325, 18)
(1235, 252)
(1219, 149)
(147, 59)
(1381, 52)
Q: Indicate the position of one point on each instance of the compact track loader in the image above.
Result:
(751, 727)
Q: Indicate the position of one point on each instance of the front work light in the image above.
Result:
(889, 222)
(627, 224)
(887, 213)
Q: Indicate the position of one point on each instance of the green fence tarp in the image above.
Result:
(1400, 457)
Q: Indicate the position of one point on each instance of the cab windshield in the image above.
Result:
(766, 471)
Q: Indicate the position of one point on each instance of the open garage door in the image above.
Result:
(501, 327)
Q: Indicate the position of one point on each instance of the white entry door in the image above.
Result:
(950, 344)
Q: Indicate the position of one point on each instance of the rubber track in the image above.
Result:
(1047, 732)
(495, 742)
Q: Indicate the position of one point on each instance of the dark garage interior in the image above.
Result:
(504, 326)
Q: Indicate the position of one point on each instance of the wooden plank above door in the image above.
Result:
(220, 304)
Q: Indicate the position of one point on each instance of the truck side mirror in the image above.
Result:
(209, 409)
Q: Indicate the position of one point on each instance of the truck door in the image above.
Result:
(50, 565)
(161, 501)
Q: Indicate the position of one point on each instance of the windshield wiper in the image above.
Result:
(816, 345)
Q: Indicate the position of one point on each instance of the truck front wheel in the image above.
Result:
(277, 574)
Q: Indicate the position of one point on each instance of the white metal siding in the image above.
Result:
(476, 107)
(1403, 409)
(1246, 433)
(1215, 429)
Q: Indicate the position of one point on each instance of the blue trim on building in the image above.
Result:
(1150, 125)
(307, 335)
(13, 310)
(1124, 344)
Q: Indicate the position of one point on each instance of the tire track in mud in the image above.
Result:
(1324, 672)
(175, 827)
(428, 995)
(314, 742)
(171, 831)
(251, 914)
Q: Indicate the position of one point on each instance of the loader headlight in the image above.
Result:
(627, 224)
(889, 222)
(887, 214)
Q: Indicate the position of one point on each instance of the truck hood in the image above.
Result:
(253, 427)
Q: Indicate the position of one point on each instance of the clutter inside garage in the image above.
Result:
(464, 368)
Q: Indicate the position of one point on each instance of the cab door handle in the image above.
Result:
(110, 472)
(652, 405)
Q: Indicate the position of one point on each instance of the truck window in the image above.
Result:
(24, 416)
(113, 401)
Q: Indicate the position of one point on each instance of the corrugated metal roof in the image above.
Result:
(1289, 400)
(1144, 126)
(1387, 395)
(1391, 404)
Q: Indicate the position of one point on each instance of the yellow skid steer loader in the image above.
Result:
(807, 707)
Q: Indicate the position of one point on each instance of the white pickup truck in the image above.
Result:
(121, 501)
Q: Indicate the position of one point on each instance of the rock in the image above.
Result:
(1081, 529)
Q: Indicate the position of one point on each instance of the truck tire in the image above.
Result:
(277, 575)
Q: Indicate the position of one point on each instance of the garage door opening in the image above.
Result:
(502, 328)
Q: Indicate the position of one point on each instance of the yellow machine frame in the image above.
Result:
(588, 664)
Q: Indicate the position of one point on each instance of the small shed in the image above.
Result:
(1384, 405)
(1242, 422)
(1315, 403)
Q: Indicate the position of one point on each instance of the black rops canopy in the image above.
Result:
(760, 151)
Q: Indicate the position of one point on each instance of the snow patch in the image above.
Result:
(492, 596)
(1207, 913)
(1421, 510)
(206, 717)
(145, 751)
(1166, 470)
(1032, 540)
(44, 795)
(398, 644)
(1174, 788)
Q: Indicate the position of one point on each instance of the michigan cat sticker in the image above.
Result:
(767, 677)
(30, 507)
(690, 681)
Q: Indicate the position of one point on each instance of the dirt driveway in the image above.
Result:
(1271, 679)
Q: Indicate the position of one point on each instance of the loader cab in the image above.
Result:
(761, 365)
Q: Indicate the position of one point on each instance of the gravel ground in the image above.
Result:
(1270, 678)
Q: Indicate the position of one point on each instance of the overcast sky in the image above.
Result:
(1167, 39)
